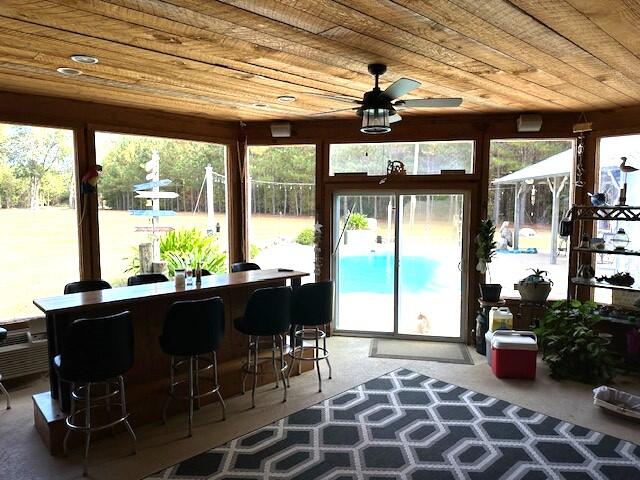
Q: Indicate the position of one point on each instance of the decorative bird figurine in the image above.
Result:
(626, 168)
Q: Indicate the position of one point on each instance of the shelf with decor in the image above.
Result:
(608, 251)
(595, 283)
(581, 245)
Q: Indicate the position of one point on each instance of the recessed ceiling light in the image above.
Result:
(286, 98)
(261, 105)
(69, 71)
(86, 59)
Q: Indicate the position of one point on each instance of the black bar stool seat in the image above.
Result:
(146, 278)
(267, 314)
(244, 267)
(192, 330)
(312, 308)
(86, 286)
(3, 337)
(96, 352)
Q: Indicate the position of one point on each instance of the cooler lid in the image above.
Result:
(514, 342)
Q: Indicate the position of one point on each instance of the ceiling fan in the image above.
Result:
(379, 108)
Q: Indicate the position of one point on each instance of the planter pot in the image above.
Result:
(365, 238)
(490, 292)
(534, 292)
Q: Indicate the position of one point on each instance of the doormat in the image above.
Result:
(444, 352)
(404, 425)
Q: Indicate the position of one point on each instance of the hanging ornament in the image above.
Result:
(317, 250)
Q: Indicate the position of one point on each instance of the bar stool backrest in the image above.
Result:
(312, 304)
(193, 327)
(145, 278)
(244, 267)
(96, 349)
(85, 286)
(268, 311)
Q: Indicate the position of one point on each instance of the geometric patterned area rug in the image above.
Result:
(444, 352)
(405, 425)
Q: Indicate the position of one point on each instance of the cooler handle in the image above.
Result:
(522, 333)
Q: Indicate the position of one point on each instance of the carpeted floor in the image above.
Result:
(408, 425)
(445, 352)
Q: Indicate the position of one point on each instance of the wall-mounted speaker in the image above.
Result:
(529, 123)
(281, 129)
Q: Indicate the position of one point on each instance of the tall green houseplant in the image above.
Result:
(485, 250)
(571, 346)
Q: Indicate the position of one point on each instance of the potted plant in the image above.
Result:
(535, 287)
(357, 230)
(571, 346)
(485, 250)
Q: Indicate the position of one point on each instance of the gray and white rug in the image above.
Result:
(405, 425)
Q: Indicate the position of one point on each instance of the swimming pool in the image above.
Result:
(373, 273)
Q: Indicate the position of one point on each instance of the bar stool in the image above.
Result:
(96, 351)
(267, 315)
(3, 336)
(193, 329)
(244, 267)
(312, 306)
(145, 278)
(86, 286)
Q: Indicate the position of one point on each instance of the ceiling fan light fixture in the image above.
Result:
(375, 121)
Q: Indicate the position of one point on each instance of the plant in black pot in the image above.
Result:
(485, 250)
(571, 346)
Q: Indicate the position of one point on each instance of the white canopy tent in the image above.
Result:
(555, 171)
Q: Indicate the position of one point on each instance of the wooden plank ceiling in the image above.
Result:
(224, 59)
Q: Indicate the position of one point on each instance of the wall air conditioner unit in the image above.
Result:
(24, 352)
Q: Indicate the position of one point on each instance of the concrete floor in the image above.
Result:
(23, 456)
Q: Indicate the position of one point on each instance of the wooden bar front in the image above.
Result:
(147, 381)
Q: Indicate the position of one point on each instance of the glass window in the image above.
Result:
(39, 238)
(611, 181)
(282, 198)
(165, 192)
(529, 194)
(419, 158)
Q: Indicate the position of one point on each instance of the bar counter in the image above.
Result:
(147, 381)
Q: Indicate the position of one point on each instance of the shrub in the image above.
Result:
(185, 248)
(357, 221)
(306, 237)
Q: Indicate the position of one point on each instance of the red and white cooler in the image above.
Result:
(513, 354)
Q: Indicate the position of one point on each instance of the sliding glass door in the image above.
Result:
(397, 263)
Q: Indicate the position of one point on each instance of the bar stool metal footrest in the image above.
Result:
(250, 367)
(320, 353)
(82, 394)
(191, 381)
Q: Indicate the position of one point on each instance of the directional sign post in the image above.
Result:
(149, 185)
(151, 190)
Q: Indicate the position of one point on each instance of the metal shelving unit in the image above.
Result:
(582, 213)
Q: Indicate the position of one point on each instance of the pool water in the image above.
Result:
(374, 273)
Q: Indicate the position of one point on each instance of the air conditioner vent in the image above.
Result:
(19, 356)
(15, 338)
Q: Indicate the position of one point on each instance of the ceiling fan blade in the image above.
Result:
(336, 97)
(394, 118)
(400, 87)
(429, 102)
(335, 111)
